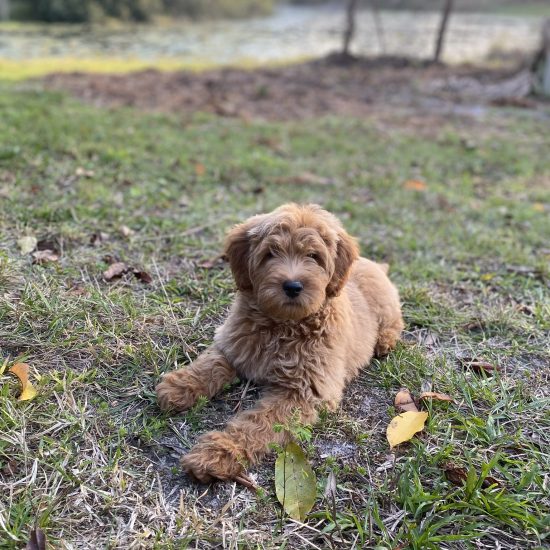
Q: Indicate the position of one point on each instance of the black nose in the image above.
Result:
(292, 288)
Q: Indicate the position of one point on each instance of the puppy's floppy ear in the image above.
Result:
(347, 252)
(237, 248)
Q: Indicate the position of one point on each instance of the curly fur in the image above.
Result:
(303, 350)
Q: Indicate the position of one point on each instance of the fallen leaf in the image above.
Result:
(481, 366)
(404, 401)
(82, 172)
(415, 185)
(200, 169)
(37, 540)
(126, 231)
(295, 483)
(21, 370)
(487, 276)
(116, 270)
(455, 474)
(404, 426)
(458, 476)
(435, 395)
(539, 207)
(143, 276)
(27, 244)
(44, 256)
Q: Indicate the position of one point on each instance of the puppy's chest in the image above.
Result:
(281, 354)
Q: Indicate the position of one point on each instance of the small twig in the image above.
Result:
(246, 481)
(243, 395)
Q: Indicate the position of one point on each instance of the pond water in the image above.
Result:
(290, 32)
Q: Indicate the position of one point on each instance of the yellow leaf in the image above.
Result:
(487, 276)
(404, 426)
(21, 370)
(538, 207)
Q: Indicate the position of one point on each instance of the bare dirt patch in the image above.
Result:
(349, 87)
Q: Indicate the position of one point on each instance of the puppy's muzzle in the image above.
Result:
(293, 288)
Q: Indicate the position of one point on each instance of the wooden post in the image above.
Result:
(539, 71)
(545, 59)
(350, 26)
(442, 29)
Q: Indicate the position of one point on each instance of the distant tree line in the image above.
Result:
(82, 11)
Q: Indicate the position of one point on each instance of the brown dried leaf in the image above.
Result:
(143, 276)
(436, 395)
(404, 401)
(481, 366)
(44, 256)
(115, 271)
(455, 474)
(458, 476)
(37, 540)
(200, 169)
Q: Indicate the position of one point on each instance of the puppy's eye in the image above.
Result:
(268, 255)
(313, 256)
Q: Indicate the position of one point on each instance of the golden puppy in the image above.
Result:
(308, 314)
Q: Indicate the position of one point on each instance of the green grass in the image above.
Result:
(93, 462)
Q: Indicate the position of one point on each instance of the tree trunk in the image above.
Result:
(447, 8)
(540, 68)
(349, 31)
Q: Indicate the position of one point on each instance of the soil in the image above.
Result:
(332, 85)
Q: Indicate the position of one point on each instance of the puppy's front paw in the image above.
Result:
(215, 456)
(177, 392)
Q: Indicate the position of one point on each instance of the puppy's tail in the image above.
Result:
(384, 267)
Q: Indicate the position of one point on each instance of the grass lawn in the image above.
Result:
(93, 462)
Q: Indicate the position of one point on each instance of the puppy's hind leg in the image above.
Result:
(206, 376)
(389, 332)
(225, 455)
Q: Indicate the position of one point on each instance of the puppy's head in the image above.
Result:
(291, 260)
